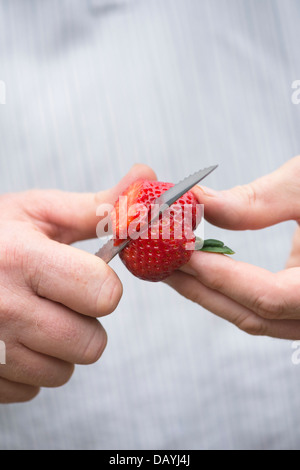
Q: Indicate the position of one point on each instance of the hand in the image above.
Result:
(50, 292)
(257, 301)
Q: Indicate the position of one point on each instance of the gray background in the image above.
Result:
(96, 86)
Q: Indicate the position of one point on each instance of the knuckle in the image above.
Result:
(19, 264)
(270, 305)
(251, 193)
(50, 373)
(248, 194)
(11, 252)
(193, 296)
(217, 282)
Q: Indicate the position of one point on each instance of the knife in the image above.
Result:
(108, 251)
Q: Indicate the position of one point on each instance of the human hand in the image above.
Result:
(50, 292)
(254, 299)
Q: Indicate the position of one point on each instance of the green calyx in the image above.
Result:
(212, 246)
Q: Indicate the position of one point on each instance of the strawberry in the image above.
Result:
(156, 257)
(169, 243)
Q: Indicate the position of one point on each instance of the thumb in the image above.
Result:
(266, 201)
(69, 217)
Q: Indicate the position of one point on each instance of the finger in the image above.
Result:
(59, 332)
(12, 392)
(255, 288)
(266, 201)
(31, 368)
(69, 217)
(80, 281)
(230, 310)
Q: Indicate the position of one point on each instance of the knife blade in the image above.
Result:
(108, 251)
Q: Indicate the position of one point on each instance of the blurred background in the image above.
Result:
(94, 86)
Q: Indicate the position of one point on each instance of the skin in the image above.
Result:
(255, 300)
(50, 292)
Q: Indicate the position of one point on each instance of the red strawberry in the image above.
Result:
(155, 258)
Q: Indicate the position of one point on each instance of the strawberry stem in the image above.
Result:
(212, 246)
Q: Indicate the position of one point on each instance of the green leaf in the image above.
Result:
(218, 249)
(212, 246)
(213, 242)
